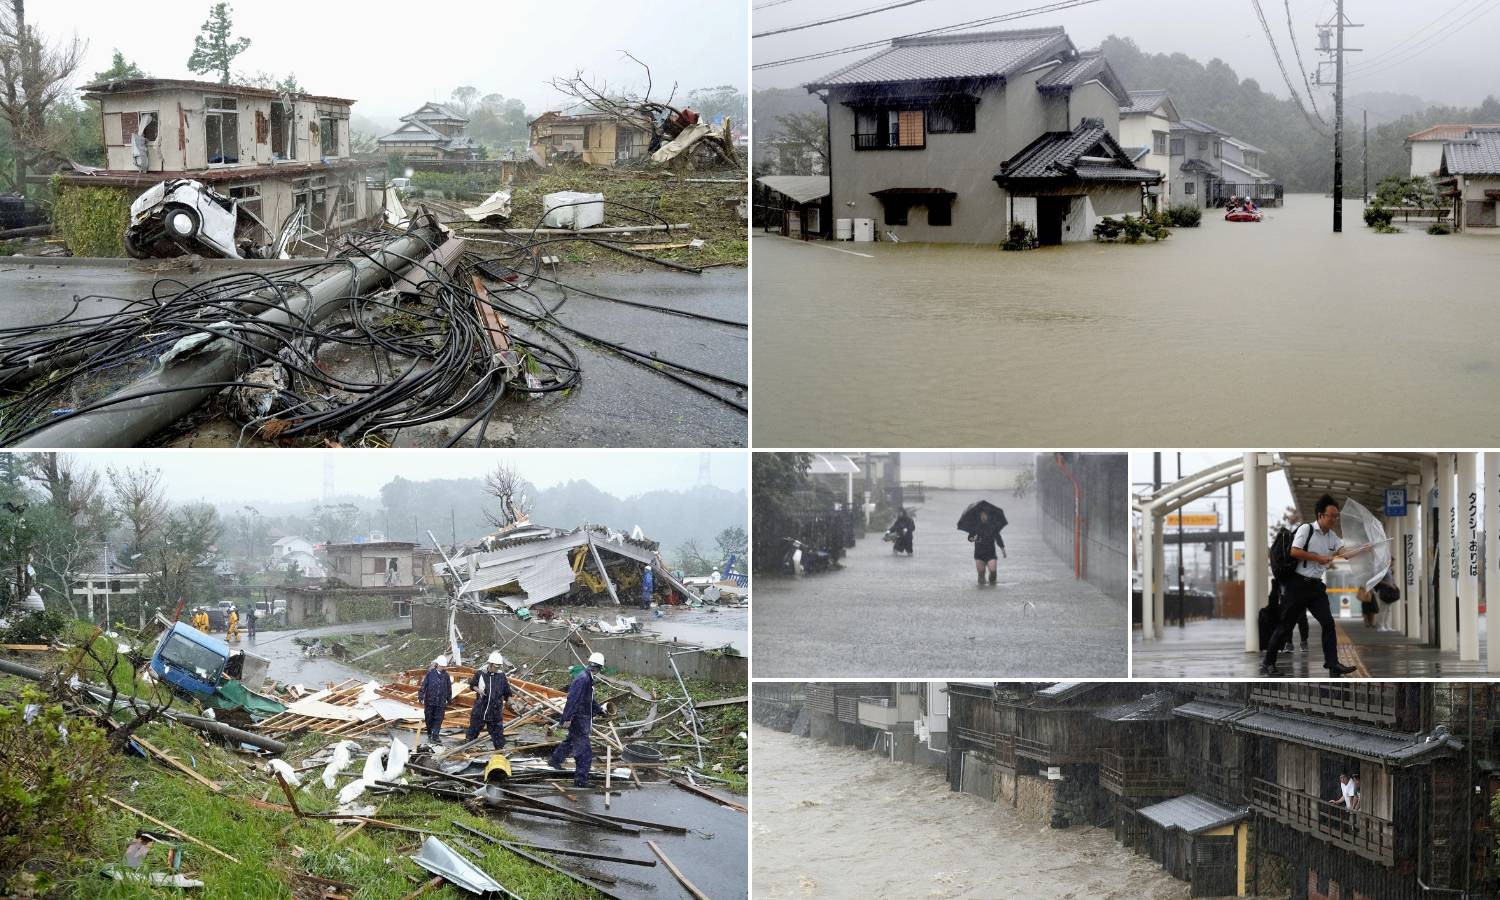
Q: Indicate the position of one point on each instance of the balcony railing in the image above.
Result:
(1365, 702)
(1364, 833)
(1132, 775)
(884, 142)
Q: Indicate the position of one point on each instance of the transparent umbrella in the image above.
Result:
(1361, 528)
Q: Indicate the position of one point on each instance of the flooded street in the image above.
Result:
(837, 822)
(923, 615)
(1196, 338)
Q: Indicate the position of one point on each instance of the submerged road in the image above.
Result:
(835, 822)
(1111, 345)
(923, 616)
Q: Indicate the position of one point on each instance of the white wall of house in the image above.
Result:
(1426, 157)
(1140, 130)
(180, 143)
(1006, 120)
(1478, 213)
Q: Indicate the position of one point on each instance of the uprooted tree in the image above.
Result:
(507, 486)
(125, 695)
(663, 120)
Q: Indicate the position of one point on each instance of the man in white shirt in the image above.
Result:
(1346, 792)
(1315, 546)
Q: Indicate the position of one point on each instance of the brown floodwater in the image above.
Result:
(1230, 334)
(836, 822)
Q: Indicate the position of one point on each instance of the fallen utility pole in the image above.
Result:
(167, 393)
(578, 232)
(198, 722)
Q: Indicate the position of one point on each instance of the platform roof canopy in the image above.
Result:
(1362, 476)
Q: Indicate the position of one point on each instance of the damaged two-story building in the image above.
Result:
(952, 138)
(272, 151)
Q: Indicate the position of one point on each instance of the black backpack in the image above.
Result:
(1283, 564)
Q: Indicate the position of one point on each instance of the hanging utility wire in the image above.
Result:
(973, 23)
(1306, 82)
(1426, 44)
(870, 11)
(1394, 49)
(1290, 86)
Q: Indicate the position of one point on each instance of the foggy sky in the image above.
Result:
(1457, 69)
(1278, 492)
(392, 57)
(233, 476)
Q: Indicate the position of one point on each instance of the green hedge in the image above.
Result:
(92, 220)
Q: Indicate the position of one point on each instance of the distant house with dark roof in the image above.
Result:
(1145, 131)
(434, 131)
(1209, 166)
(1469, 173)
(953, 137)
(1426, 146)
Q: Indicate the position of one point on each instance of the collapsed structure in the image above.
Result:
(1232, 787)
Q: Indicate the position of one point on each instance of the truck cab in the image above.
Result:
(190, 660)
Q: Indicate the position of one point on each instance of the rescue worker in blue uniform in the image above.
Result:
(578, 718)
(491, 697)
(435, 693)
(648, 587)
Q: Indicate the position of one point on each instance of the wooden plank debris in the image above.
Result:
(697, 894)
(177, 831)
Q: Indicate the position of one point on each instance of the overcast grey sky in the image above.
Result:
(1447, 57)
(391, 57)
(226, 476)
(1278, 494)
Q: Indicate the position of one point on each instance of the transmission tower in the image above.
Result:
(1335, 58)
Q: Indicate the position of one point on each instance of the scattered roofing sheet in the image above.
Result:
(982, 54)
(1193, 814)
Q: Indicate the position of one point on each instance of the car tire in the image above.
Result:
(133, 249)
(181, 223)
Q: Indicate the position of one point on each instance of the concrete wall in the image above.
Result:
(637, 654)
(1426, 157)
(1093, 100)
(1140, 131)
(1105, 532)
(1007, 119)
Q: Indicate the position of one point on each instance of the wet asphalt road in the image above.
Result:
(887, 616)
(290, 666)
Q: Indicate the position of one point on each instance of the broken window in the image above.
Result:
(312, 193)
(328, 131)
(142, 123)
(221, 127)
(283, 131)
(347, 211)
(248, 196)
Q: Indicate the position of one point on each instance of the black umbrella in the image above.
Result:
(969, 521)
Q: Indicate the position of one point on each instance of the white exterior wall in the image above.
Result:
(1139, 130)
(180, 144)
(1426, 157)
(963, 478)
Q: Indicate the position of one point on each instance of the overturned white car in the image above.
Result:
(186, 216)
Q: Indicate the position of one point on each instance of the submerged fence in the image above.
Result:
(1102, 529)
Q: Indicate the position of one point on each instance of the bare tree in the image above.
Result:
(638, 110)
(505, 485)
(76, 491)
(138, 500)
(145, 704)
(34, 75)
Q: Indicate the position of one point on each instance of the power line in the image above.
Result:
(1280, 64)
(991, 20)
(1292, 37)
(1426, 44)
(870, 11)
(1382, 55)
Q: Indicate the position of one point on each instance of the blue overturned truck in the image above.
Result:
(204, 668)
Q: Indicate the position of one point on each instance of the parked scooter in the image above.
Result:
(801, 559)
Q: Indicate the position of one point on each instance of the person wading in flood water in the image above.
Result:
(986, 537)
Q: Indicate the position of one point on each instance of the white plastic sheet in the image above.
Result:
(1361, 528)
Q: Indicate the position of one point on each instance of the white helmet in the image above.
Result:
(440, 661)
(496, 659)
(596, 659)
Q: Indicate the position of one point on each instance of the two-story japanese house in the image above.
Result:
(952, 138)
